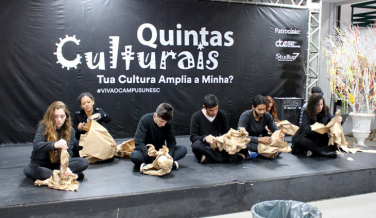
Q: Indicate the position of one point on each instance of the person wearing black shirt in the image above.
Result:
(307, 141)
(54, 134)
(88, 112)
(254, 121)
(156, 129)
(206, 124)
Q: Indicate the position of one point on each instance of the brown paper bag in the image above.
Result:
(287, 127)
(97, 143)
(278, 145)
(86, 126)
(125, 149)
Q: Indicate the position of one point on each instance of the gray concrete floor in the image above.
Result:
(353, 206)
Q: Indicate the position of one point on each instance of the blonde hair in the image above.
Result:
(50, 128)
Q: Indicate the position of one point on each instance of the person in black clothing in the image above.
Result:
(307, 141)
(54, 133)
(207, 124)
(88, 112)
(156, 129)
(254, 121)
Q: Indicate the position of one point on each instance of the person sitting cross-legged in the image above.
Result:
(255, 121)
(206, 124)
(156, 129)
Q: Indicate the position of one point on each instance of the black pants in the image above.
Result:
(76, 147)
(252, 147)
(199, 148)
(42, 170)
(305, 144)
(137, 157)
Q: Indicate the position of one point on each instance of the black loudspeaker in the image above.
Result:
(289, 109)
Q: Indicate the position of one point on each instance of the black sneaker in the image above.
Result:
(81, 176)
(242, 156)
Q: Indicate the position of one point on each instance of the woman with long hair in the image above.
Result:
(272, 108)
(54, 133)
(87, 113)
(307, 141)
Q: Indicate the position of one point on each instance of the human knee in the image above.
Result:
(137, 157)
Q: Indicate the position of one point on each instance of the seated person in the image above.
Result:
(156, 129)
(88, 112)
(254, 121)
(54, 132)
(272, 109)
(307, 141)
(314, 90)
(206, 124)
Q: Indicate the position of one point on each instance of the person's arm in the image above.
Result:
(140, 136)
(170, 138)
(270, 122)
(226, 126)
(195, 129)
(40, 143)
(301, 114)
(76, 123)
(306, 124)
(70, 145)
(244, 122)
(103, 116)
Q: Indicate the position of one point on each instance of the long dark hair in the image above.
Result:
(313, 100)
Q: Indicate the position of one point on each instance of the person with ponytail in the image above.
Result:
(54, 133)
(87, 112)
(254, 121)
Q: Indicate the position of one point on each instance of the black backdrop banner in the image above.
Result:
(134, 54)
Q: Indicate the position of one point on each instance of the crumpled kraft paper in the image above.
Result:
(334, 130)
(287, 127)
(125, 148)
(232, 142)
(278, 145)
(59, 180)
(162, 164)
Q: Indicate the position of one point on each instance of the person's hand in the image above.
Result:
(267, 129)
(94, 116)
(61, 144)
(209, 139)
(339, 119)
(80, 125)
(68, 172)
(265, 140)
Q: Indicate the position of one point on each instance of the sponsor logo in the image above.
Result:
(287, 31)
(287, 57)
(287, 44)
